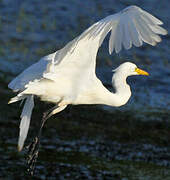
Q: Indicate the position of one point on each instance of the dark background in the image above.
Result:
(90, 142)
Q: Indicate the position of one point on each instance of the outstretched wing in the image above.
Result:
(33, 72)
(77, 60)
(131, 26)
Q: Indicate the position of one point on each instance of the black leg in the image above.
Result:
(33, 147)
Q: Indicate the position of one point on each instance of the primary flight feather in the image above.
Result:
(68, 75)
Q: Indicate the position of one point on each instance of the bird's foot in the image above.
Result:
(33, 150)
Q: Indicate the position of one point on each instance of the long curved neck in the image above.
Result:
(122, 91)
(120, 84)
(100, 95)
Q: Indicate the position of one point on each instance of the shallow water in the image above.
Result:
(86, 142)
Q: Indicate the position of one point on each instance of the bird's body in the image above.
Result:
(68, 75)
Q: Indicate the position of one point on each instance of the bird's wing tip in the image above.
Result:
(166, 32)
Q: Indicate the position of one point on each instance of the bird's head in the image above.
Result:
(130, 69)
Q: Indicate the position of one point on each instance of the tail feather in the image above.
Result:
(25, 120)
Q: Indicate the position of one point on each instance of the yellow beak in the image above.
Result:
(141, 72)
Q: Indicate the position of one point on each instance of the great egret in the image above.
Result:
(68, 75)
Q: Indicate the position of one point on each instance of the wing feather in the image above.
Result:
(151, 18)
(130, 26)
(144, 31)
(159, 30)
(127, 43)
(104, 33)
(32, 73)
(112, 39)
(118, 40)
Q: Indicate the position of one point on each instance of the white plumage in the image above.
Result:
(68, 75)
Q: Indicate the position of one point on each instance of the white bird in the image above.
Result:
(68, 75)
